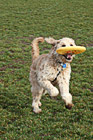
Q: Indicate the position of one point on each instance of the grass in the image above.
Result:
(20, 22)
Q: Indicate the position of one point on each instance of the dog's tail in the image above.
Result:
(35, 48)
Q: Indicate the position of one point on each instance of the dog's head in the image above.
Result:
(64, 42)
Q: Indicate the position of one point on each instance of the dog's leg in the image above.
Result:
(35, 104)
(36, 99)
(64, 89)
(53, 91)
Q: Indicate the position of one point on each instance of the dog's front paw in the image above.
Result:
(67, 97)
(37, 110)
(54, 92)
(69, 106)
(39, 103)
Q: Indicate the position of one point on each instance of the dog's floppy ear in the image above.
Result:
(51, 41)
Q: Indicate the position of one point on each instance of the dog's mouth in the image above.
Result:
(68, 56)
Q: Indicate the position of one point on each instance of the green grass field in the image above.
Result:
(20, 22)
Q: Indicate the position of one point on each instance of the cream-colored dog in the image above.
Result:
(51, 69)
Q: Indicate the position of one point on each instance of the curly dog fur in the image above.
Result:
(47, 71)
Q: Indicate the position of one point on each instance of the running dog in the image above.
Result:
(49, 70)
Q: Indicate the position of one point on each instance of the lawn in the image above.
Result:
(20, 22)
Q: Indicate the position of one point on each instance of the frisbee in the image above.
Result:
(74, 50)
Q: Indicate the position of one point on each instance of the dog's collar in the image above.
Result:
(63, 67)
(62, 64)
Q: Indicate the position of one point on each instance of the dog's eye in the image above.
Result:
(63, 45)
(57, 42)
(71, 44)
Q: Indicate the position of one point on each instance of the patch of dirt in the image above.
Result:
(91, 89)
(11, 51)
(12, 65)
(90, 44)
(31, 37)
(19, 61)
(2, 132)
(2, 52)
(24, 42)
(22, 39)
(1, 80)
(45, 48)
(8, 66)
(3, 68)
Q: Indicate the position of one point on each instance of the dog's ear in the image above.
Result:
(51, 41)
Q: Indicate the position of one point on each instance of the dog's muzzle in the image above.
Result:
(68, 56)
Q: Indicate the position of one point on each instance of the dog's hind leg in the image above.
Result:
(36, 94)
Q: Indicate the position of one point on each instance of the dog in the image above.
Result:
(49, 70)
